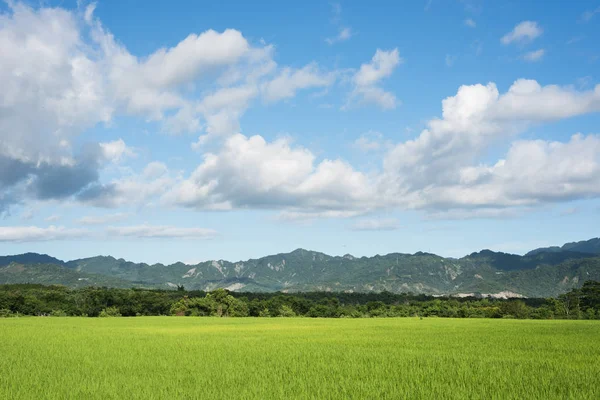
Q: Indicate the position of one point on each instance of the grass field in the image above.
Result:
(261, 358)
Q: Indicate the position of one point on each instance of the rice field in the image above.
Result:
(299, 358)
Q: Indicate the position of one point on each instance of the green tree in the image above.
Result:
(110, 312)
(286, 311)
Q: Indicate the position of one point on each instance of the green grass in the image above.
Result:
(260, 358)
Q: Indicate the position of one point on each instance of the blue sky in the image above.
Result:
(185, 133)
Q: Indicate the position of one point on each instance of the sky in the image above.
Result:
(182, 132)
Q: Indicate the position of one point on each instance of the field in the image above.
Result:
(261, 358)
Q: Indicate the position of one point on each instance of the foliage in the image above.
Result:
(110, 312)
(58, 313)
(543, 273)
(581, 303)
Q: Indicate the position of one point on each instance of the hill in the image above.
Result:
(541, 273)
(52, 274)
(30, 258)
(591, 246)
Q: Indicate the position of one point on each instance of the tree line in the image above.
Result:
(40, 300)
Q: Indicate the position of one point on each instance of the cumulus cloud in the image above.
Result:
(439, 169)
(375, 224)
(134, 189)
(523, 32)
(51, 87)
(369, 76)
(62, 72)
(161, 232)
(116, 150)
(288, 81)
(251, 172)
(470, 23)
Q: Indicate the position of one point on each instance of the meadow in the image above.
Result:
(298, 358)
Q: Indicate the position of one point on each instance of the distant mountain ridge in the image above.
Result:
(591, 246)
(30, 258)
(540, 273)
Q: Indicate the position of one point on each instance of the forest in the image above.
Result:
(39, 300)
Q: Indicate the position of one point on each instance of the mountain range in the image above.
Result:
(542, 272)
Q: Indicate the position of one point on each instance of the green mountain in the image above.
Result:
(53, 274)
(30, 258)
(591, 246)
(537, 274)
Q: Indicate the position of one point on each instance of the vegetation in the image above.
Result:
(41, 300)
(541, 273)
(300, 358)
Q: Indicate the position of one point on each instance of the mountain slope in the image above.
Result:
(30, 258)
(591, 246)
(537, 274)
(52, 274)
(303, 270)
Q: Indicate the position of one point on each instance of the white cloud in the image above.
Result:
(52, 218)
(381, 66)
(116, 150)
(533, 172)
(375, 224)
(161, 232)
(534, 56)
(575, 39)
(57, 82)
(438, 169)
(62, 72)
(475, 213)
(303, 216)
(36, 234)
(51, 87)
(102, 219)
(524, 32)
(588, 15)
(470, 23)
(250, 172)
(369, 75)
(138, 189)
(290, 80)
(370, 141)
(343, 35)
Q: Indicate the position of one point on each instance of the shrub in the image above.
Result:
(110, 312)
(286, 311)
(264, 313)
(58, 313)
